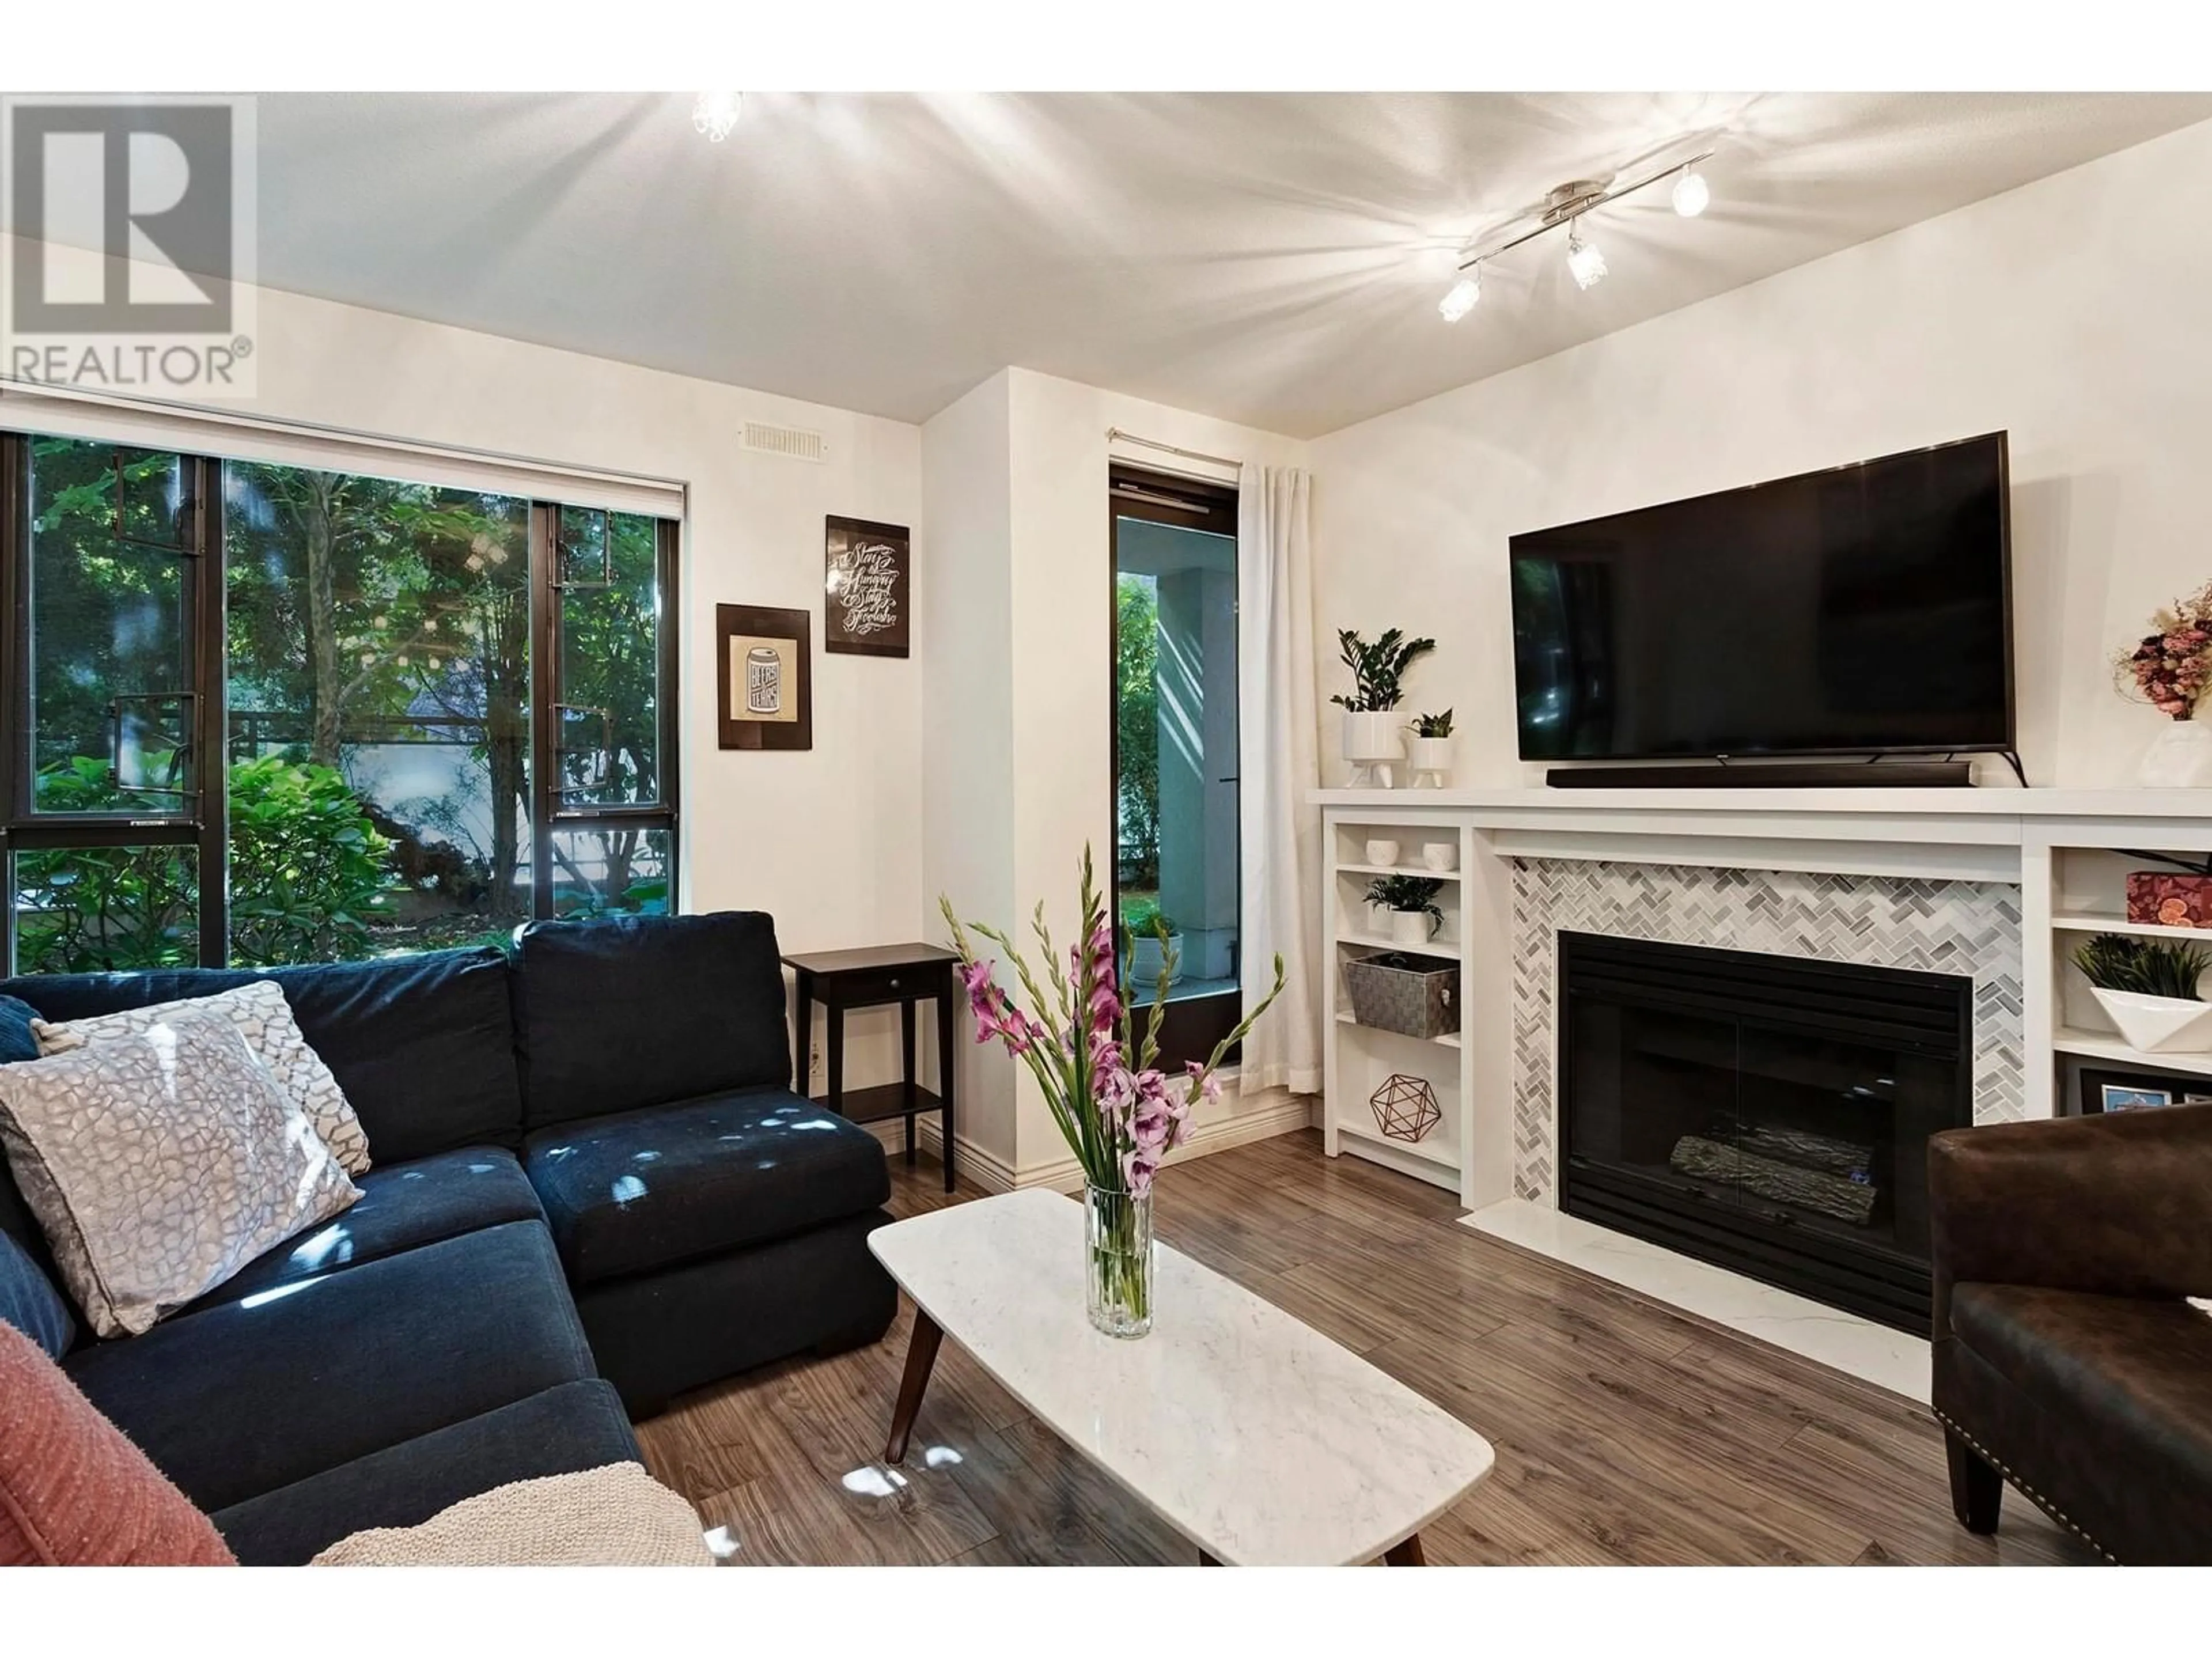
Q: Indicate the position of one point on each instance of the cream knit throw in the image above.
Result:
(614, 1517)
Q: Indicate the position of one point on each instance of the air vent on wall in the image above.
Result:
(793, 443)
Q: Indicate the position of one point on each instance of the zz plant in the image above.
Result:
(1414, 895)
(1378, 669)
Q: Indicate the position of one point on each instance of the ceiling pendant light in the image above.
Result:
(1465, 295)
(1584, 259)
(1690, 193)
(716, 113)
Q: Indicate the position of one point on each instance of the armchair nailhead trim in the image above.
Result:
(2038, 1499)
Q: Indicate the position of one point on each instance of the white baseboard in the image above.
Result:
(1275, 1114)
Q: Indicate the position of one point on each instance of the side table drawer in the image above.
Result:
(862, 988)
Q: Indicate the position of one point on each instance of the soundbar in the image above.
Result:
(1783, 775)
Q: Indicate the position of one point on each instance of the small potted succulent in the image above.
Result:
(1415, 917)
(1155, 944)
(1430, 757)
(2148, 987)
(1378, 669)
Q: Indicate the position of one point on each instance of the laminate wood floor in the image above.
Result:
(1626, 1432)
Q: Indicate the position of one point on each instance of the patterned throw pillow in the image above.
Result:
(160, 1164)
(74, 1492)
(260, 1012)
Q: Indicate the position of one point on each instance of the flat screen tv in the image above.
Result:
(1863, 610)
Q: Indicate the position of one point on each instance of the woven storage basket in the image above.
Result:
(1398, 991)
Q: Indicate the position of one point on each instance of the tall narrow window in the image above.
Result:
(1174, 742)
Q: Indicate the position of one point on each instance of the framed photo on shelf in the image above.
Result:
(864, 587)
(2135, 1091)
(763, 677)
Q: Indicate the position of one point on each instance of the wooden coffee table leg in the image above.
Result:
(1408, 1554)
(921, 1356)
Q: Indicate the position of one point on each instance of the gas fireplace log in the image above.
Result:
(1805, 1148)
(1786, 1183)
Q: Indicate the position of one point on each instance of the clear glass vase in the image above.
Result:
(2179, 757)
(1117, 1241)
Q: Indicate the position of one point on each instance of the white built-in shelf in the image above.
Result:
(2102, 1045)
(2085, 922)
(1428, 1151)
(1345, 1016)
(1443, 948)
(1396, 870)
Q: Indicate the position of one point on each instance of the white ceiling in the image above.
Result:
(1271, 259)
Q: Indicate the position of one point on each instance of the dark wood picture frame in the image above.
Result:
(886, 630)
(786, 635)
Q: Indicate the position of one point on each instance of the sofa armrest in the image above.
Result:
(2119, 1204)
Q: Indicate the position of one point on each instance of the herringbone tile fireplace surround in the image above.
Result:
(1971, 929)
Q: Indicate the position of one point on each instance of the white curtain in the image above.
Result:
(1281, 829)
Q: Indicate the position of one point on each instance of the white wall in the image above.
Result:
(1042, 762)
(826, 839)
(2070, 312)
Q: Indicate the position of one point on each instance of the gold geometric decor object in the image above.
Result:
(1406, 1107)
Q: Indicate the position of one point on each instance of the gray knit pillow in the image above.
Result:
(260, 1012)
(160, 1163)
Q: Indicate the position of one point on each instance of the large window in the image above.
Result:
(271, 714)
(1175, 748)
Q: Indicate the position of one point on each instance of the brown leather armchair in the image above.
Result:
(2065, 1359)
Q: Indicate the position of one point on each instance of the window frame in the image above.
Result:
(201, 820)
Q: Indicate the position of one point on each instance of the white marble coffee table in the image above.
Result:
(1255, 1437)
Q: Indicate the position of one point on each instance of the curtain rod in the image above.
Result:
(1114, 432)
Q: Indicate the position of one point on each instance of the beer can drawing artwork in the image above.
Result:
(763, 681)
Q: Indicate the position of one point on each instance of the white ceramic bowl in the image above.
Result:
(1382, 852)
(2158, 1026)
(1440, 855)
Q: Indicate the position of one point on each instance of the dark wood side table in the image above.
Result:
(907, 975)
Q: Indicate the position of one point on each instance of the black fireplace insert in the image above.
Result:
(1767, 1114)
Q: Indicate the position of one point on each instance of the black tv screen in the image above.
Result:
(1858, 609)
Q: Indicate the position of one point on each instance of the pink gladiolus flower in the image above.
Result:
(1137, 1171)
(1203, 1083)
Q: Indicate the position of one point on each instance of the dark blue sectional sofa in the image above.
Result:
(593, 1188)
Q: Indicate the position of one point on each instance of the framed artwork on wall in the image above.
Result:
(764, 677)
(865, 587)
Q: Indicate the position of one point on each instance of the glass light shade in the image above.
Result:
(716, 113)
(1692, 195)
(1584, 261)
(1462, 299)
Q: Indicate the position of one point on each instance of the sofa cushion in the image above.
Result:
(160, 1163)
(235, 1400)
(644, 1190)
(423, 1045)
(29, 1302)
(577, 1426)
(73, 1491)
(636, 1011)
(17, 1040)
(400, 1208)
(2139, 1369)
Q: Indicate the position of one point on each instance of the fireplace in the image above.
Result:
(1767, 1114)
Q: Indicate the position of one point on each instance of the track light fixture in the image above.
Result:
(716, 113)
(1565, 205)
(1462, 298)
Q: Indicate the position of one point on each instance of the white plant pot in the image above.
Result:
(1431, 759)
(1441, 855)
(1383, 854)
(1410, 928)
(2179, 757)
(2158, 1026)
(1372, 738)
(1146, 957)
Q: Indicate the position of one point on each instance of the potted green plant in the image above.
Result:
(1155, 944)
(2148, 987)
(1431, 759)
(1378, 669)
(1415, 917)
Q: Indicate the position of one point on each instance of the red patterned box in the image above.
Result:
(2170, 901)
